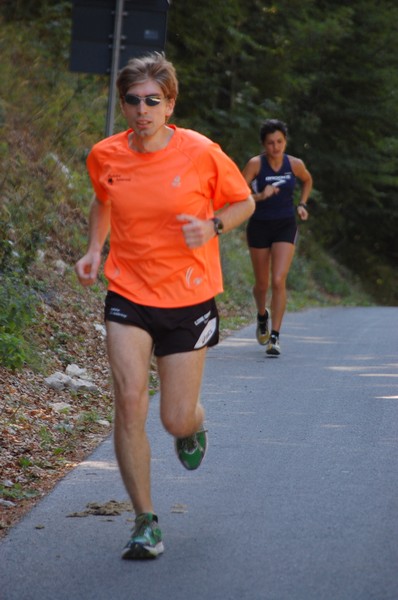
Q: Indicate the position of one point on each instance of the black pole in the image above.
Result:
(117, 34)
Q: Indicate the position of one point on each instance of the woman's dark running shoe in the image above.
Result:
(273, 347)
(262, 330)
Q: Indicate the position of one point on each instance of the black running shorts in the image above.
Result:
(262, 234)
(173, 330)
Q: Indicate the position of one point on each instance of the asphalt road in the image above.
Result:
(297, 498)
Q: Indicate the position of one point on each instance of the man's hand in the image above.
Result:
(87, 268)
(196, 232)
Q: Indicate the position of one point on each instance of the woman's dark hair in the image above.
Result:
(270, 126)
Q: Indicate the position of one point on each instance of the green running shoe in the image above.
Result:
(146, 538)
(191, 450)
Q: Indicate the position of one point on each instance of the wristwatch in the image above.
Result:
(218, 225)
(303, 205)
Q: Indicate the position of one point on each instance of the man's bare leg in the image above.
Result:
(181, 411)
(180, 376)
(130, 350)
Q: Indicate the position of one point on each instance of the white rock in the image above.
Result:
(60, 267)
(58, 381)
(100, 328)
(7, 503)
(7, 483)
(82, 384)
(61, 381)
(60, 406)
(75, 371)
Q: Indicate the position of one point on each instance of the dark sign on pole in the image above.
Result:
(107, 33)
(143, 29)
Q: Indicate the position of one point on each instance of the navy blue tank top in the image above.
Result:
(279, 206)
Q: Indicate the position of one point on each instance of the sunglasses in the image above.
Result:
(136, 100)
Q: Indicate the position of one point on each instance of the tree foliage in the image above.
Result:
(329, 69)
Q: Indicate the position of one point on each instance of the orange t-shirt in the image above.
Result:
(149, 261)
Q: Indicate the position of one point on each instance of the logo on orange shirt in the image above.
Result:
(117, 178)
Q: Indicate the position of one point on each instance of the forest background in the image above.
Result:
(329, 69)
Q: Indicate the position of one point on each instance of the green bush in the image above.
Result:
(17, 311)
(12, 351)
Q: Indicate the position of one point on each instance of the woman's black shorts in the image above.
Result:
(262, 234)
(173, 330)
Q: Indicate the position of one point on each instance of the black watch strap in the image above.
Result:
(218, 225)
(303, 205)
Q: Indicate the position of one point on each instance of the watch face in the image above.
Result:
(218, 225)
